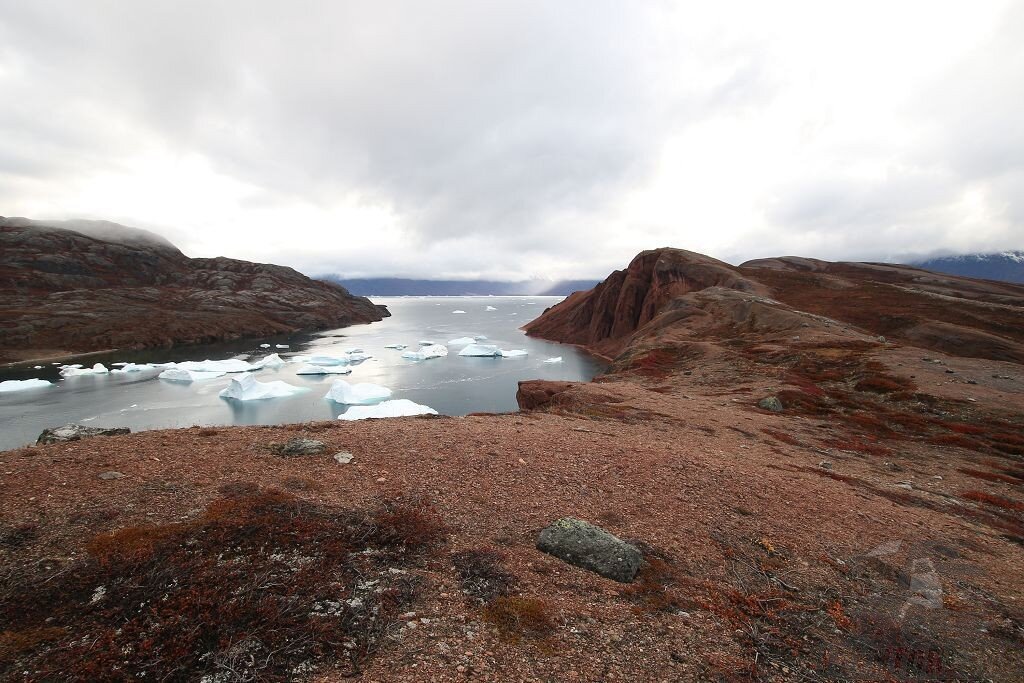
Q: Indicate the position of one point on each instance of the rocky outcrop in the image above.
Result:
(592, 548)
(75, 432)
(669, 297)
(536, 394)
(85, 286)
(606, 317)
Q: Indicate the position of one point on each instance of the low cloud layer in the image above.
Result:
(519, 139)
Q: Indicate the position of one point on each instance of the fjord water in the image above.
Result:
(452, 385)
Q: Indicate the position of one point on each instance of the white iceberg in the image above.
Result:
(324, 370)
(246, 388)
(281, 346)
(71, 371)
(327, 360)
(183, 375)
(402, 407)
(363, 393)
(357, 356)
(399, 347)
(480, 337)
(23, 384)
(264, 346)
(556, 359)
(132, 367)
(490, 308)
(37, 367)
(271, 361)
(425, 352)
(514, 353)
(483, 350)
(461, 341)
(458, 311)
(230, 365)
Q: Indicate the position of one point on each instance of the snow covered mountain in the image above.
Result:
(1007, 266)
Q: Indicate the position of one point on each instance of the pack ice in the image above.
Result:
(246, 388)
(402, 407)
(363, 393)
(22, 384)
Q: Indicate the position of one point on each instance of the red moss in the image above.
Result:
(996, 501)
(989, 476)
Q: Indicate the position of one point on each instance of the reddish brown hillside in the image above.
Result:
(64, 291)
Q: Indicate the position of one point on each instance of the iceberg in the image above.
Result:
(402, 407)
(271, 361)
(281, 346)
(132, 367)
(480, 337)
(182, 375)
(264, 346)
(230, 365)
(399, 347)
(484, 350)
(357, 394)
(425, 352)
(425, 342)
(22, 384)
(461, 341)
(70, 371)
(490, 308)
(357, 356)
(246, 388)
(458, 311)
(354, 349)
(327, 360)
(556, 359)
(514, 353)
(323, 370)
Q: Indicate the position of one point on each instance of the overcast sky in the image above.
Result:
(514, 139)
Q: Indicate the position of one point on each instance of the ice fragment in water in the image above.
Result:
(357, 394)
(247, 388)
(402, 407)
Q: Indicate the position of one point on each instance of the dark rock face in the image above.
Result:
(536, 394)
(62, 290)
(74, 432)
(592, 548)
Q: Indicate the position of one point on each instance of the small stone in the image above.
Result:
(107, 476)
(343, 457)
(825, 465)
(771, 403)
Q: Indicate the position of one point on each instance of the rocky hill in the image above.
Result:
(79, 286)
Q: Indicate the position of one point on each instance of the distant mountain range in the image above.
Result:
(388, 286)
(1007, 266)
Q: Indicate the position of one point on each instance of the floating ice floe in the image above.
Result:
(480, 337)
(353, 349)
(458, 311)
(357, 356)
(482, 350)
(264, 346)
(247, 388)
(183, 375)
(461, 341)
(281, 346)
(490, 308)
(230, 365)
(426, 352)
(132, 367)
(71, 371)
(425, 342)
(37, 367)
(363, 393)
(399, 347)
(271, 361)
(514, 353)
(23, 384)
(324, 370)
(556, 359)
(323, 360)
(402, 407)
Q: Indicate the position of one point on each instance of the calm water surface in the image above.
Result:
(452, 385)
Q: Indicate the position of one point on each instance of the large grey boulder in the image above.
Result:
(771, 403)
(74, 432)
(592, 548)
(299, 446)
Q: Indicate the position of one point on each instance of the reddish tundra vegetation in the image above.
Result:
(822, 465)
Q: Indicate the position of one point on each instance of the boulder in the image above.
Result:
(771, 403)
(299, 446)
(536, 394)
(592, 548)
(74, 432)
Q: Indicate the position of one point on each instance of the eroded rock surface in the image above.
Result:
(74, 432)
(592, 548)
